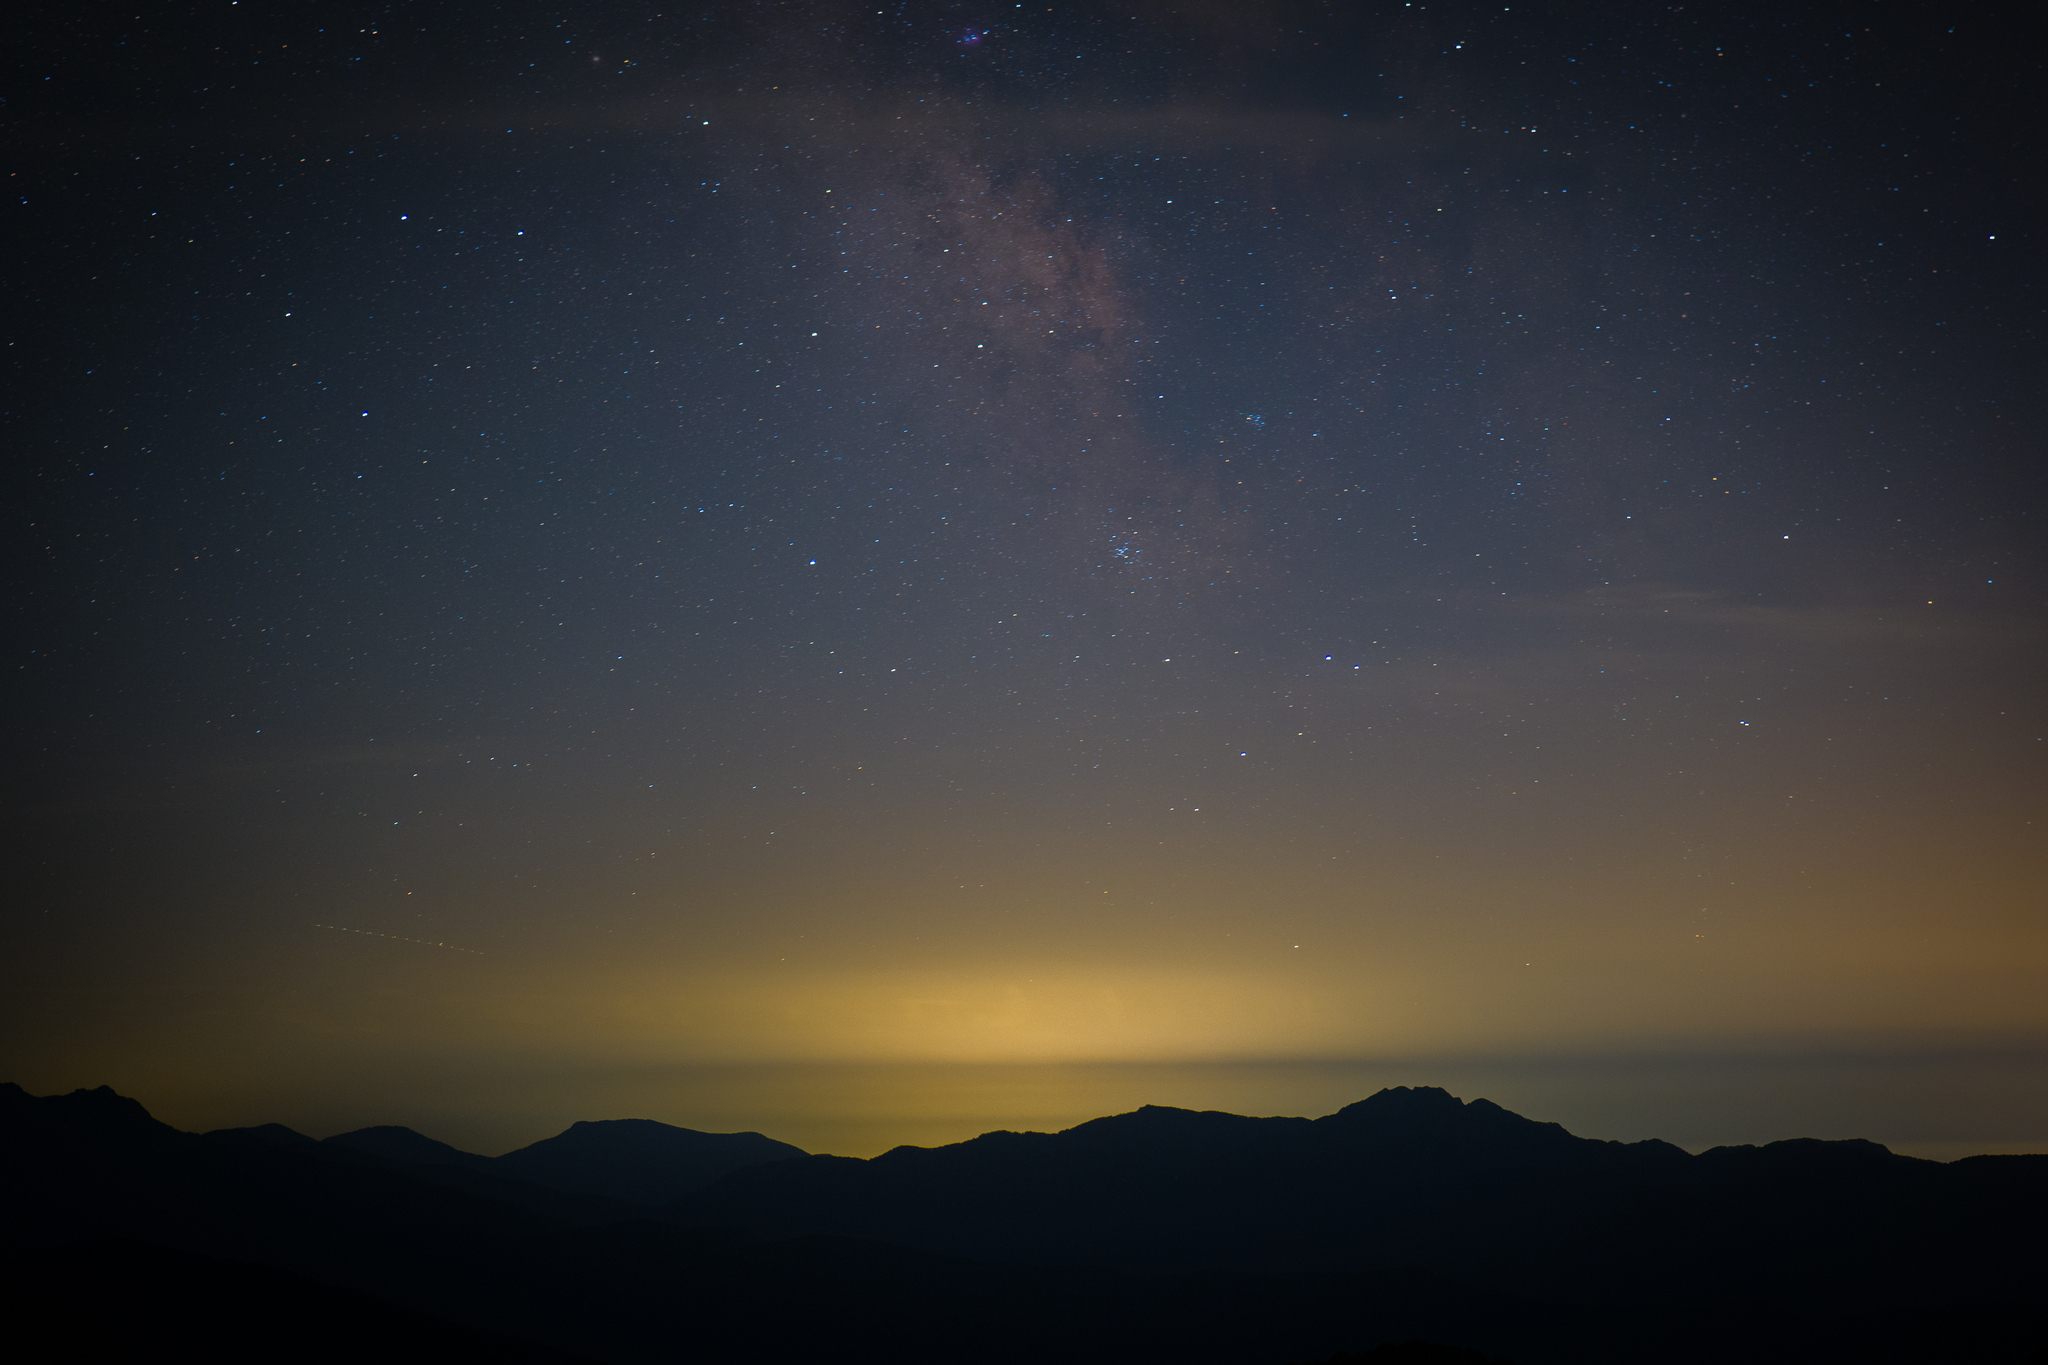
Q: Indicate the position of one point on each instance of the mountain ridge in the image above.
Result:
(1453, 1249)
(635, 1161)
(639, 1160)
(1406, 1177)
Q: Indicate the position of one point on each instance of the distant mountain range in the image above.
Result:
(1416, 1179)
(1162, 1235)
(635, 1161)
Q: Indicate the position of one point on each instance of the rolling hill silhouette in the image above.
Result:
(640, 1160)
(635, 1161)
(395, 1143)
(1160, 1236)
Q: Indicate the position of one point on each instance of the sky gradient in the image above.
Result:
(871, 574)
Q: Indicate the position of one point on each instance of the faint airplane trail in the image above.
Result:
(399, 938)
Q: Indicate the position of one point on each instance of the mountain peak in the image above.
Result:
(1406, 1100)
(275, 1133)
(95, 1110)
(106, 1100)
(642, 1161)
(394, 1142)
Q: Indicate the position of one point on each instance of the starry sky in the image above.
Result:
(872, 573)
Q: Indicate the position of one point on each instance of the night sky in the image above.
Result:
(875, 573)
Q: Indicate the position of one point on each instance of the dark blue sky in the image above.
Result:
(967, 533)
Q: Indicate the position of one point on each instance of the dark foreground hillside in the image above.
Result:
(115, 1300)
(428, 1254)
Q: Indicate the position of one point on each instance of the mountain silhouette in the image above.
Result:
(1383, 1181)
(635, 1161)
(269, 1132)
(1408, 1219)
(1414, 1178)
(639, 1160)
(395, 1143)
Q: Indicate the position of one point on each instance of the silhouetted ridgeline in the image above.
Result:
(636, 1161)
(1414, 1178)
(1162, 1235)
